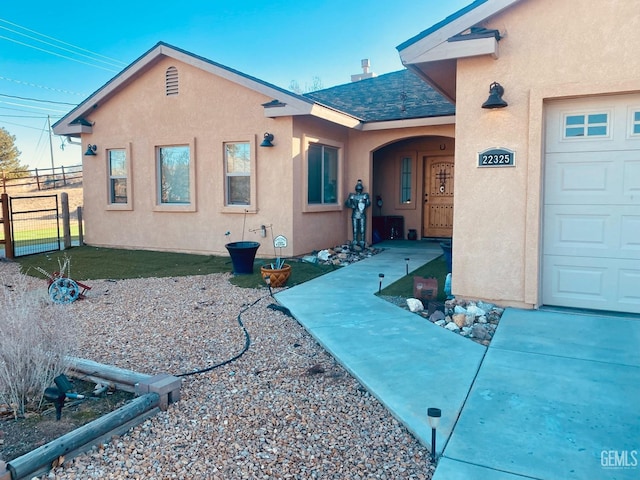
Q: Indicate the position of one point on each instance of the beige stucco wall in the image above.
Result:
(550, 50)
(207, 112)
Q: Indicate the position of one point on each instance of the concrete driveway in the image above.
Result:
(556, 397)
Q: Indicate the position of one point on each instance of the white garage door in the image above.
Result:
(591, 244)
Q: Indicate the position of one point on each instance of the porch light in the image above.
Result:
(433, 415)
(495, 97)
(268, 138)
(91, 150)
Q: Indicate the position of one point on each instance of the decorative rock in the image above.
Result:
(460, 319)
(459, 309)
(415, 305)
(481, 332)
(437, 315)
(482, 319)
(440, 323)
(466, 331)
(453, 327)
(323, 255)
(485, 306)
(475, 311)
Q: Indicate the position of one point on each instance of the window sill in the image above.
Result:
(239, 209)
(177, 208)
(119, 207)
(322, 208)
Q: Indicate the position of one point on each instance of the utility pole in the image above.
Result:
(51, 145)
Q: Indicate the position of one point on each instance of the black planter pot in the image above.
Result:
(242, 256)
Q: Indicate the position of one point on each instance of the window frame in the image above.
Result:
(634, 123)
(252, 207)
(397, 194)
(586, 124)
(128, 205)
(308, 140)
(175, 207)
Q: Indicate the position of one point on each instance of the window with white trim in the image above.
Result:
(406, 179)
(117, 176)
(586, 125)
(237, 159)
(322, 174)
(174, 168)
(635, 123)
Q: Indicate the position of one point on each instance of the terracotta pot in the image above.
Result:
(279, 276)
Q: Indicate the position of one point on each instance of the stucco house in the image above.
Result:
(541, 196)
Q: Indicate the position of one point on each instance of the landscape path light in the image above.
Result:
(433, 414)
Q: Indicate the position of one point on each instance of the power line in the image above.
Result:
(57, 54)
(29, 84)
(33, 107)
(37, 100)
(116, 63)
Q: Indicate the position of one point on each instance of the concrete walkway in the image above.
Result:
(556, 397)
(407, 362)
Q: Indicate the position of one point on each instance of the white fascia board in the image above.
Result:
(72, 130)
(334, 116)
(412, 122)
(409, 54)
(461, 49)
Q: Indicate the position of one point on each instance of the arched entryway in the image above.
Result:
(412, 189)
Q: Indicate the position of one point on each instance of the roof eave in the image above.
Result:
(408, 123)
(437, 43)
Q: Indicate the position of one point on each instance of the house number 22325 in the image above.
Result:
(496, 157)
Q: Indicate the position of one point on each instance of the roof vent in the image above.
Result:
(171, 81)
(366, 64)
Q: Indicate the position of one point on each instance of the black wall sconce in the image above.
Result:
(495, 97)
(91, 150)
(268, 138)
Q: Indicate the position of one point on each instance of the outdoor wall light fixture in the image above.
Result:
(433, 414)
(380, 276)
(268, 138)
(495, 97)
(91, 150)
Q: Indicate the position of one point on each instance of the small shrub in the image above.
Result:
(35, 338)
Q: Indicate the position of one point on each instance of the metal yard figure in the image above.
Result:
(358, 202)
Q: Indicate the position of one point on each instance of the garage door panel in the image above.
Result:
(589, 178)
(630, 234)
(632, 179)
(629, 290)
(592, 283)
(604, 231)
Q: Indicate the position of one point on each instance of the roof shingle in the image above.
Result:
(393, 96)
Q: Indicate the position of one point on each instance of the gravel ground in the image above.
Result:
(285, 409)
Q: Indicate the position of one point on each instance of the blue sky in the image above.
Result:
(60, 54)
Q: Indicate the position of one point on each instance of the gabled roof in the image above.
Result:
(288, 103)
(398, 95)
(432, 54)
